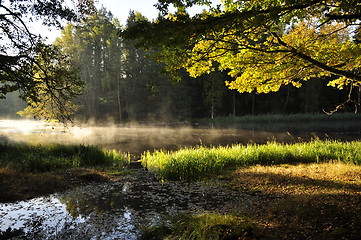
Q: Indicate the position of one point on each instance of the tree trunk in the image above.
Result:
(119, 102)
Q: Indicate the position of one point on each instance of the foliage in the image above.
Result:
(199, 161)
(25, 58)
(10, 105)
(38, 158)
(263, 45)
(203, 226)
(95, 51)
(56, 84)
(120, 82)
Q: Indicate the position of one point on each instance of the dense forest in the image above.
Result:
(124, 83)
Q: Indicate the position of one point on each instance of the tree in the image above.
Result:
(96, 51)
(54, 84)
(262, 44)
(29, 65)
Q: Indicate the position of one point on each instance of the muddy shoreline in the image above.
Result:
(291, 207)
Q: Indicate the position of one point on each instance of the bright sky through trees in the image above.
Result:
(120, 9)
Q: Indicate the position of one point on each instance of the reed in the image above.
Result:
(197, 162)
(41, 158)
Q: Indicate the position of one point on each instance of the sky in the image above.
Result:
(120, 9)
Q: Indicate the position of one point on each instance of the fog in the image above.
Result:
(136, 139)
(119, 209)
(132, 139)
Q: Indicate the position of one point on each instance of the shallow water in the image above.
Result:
(113, 211)
(120, 210)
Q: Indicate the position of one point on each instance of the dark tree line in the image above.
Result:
(124, 83)
(39, 71)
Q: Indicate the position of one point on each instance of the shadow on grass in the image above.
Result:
(304, 208)
(303, 183)
(316, 217)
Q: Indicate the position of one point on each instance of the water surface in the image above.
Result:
(138, 139)
(114, 211)
(121, 210)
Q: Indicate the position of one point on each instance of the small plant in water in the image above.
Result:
(200, 227)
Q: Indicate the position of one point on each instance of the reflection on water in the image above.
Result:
(113, 211)
(138, 139)
(120, 210)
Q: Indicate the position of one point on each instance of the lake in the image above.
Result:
(120, 210)
(140, 138)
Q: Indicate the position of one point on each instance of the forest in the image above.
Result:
(123, 82)
(239, 133)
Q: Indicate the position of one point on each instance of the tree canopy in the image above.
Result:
(263, 45)
(39, 71)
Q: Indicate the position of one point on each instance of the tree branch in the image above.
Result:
(301, 55)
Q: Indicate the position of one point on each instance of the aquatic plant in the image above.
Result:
(40, 158)
(199, 161)
(208, 225)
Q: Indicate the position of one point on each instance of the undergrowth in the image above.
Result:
(281, 118)
(204, 226)
(192, 163)
(41, 158)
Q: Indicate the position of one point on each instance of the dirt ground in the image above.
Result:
(305, 201)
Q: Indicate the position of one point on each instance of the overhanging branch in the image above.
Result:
(348, 74)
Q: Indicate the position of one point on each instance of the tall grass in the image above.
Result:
(40, 158)
(197, 162)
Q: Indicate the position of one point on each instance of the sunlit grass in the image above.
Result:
(322, 196)
(199, 161)
(301, 179)
(40, 158)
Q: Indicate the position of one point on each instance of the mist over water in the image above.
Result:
(140, 138)
(119, 210)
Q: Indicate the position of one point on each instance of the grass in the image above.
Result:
(279, 118)
(208, 225)
(42, 158)
(308, 190)
(285, 201)
(28, 171)
(289, 201)
(329, 178)
(303, 201)
(193, 163)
